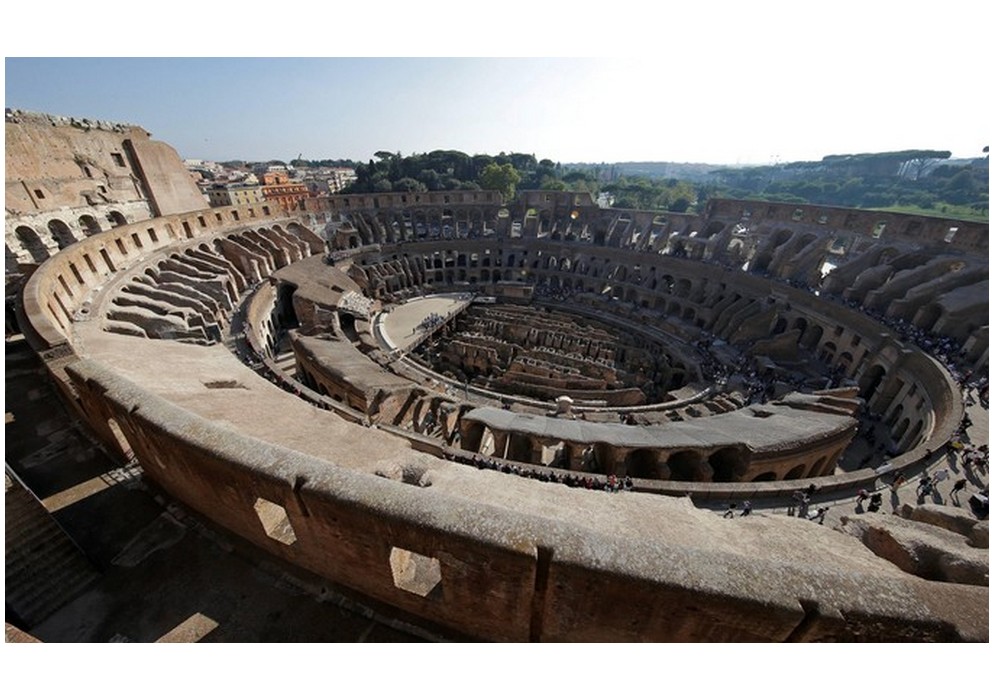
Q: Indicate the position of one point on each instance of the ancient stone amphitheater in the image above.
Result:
(502, 417)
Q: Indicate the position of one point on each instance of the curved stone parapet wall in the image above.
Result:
(375, 509)
(504, 574)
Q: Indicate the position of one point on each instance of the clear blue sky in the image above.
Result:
(729, 87)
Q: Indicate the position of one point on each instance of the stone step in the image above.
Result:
(43, 568)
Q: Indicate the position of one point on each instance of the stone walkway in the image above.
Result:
(845, 502)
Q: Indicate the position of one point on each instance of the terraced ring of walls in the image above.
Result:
(384, 515)
(694, 301)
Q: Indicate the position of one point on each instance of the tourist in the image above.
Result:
(959, 485)
(862, 497)
(875, 503)
(820, 514)
(730, 511)
(925, 486)
(900, 480)
(747, 508)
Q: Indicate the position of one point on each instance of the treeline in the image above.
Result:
(455, 170)
(909, 180)
(916, 180)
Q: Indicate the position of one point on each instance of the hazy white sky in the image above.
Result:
(724, 83)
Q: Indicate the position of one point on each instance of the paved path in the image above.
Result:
(400, 324)
(845, 502)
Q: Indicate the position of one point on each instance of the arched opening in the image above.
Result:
(870, 381)
(32, 243)
(796, 472)
(519, 448)
(766, 476)
(643, 464)
(116, 218)
(844, 362)
(812, 336)
(800, 325)
(927, 316)
(61, 233)
(683, 465)
(727, 463)
(285, 308)
(780, 326)
(826, 354)
(89, 224)
(817, 467)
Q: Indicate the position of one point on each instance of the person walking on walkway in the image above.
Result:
(959, 485)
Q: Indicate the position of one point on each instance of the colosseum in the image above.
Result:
(520, 420)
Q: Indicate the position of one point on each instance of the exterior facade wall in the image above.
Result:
(69, 178)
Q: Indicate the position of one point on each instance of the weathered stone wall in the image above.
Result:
(855, 224)
(68, 178)
(514, 577)
(169, 186)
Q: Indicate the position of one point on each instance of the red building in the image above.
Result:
(278, 188)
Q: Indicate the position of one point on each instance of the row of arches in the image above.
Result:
(61, 234)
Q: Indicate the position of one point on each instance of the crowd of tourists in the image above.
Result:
(592, 482)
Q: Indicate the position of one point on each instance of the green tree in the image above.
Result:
(408, 184)
(502, 178)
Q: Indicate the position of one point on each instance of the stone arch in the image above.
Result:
(845, 361)
(643, 463)
(116, 218)
(800, 325)
(796, 472)
(61, 233)
(32, 243)
(766, 476)
(817, 467)
(812, 336)
(870, 381)
(684, 465)
(89, 224)
(780, 325)
(713, 228)
(727, 463)
(827, 352)
(927, 316)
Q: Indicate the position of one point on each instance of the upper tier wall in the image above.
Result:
(59, 289)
